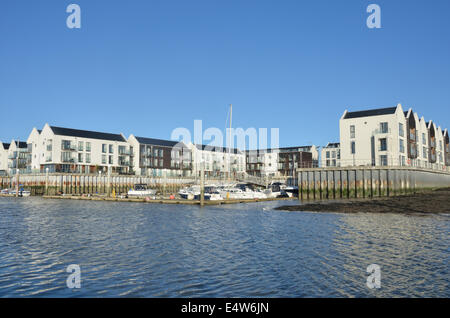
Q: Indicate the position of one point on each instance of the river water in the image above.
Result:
(246, 250)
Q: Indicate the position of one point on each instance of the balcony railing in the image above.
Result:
(68, 147)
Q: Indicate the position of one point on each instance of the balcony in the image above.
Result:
(66, 147)
(124, 152)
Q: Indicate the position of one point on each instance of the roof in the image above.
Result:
(86, 134)
(217, 149)
(333, 145)
(6, 146)
(371, 112)
(21, 144)
(282, 149)
(156, 142)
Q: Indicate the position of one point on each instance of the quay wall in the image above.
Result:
(41, 184)
(366, 182)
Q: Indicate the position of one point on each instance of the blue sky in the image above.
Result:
(147, 67)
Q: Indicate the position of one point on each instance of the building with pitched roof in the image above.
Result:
(391, 137)
(158, 157)
(69, 150)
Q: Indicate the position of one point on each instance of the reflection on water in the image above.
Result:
(145, 250)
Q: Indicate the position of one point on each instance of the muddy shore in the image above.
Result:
(432, 201)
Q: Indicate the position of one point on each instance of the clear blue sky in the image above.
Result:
(147, 67)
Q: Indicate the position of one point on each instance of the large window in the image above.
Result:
(353, 147)
(383, 144)
(402, 146)
(88, 158)
(80, 157)
(88, 146)
(104, 159)
(80, 146)
(384, 128)
(401, 131)
(425, 152)
(111, 149)
(352, 131)
(383, 160)
(104, 149)
(424, 140)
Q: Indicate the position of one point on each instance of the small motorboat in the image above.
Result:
(141, 190)
(22, 193)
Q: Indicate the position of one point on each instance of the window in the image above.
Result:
(440, 145)
(155, 153)
(333, 162)
(110, 161)
(328, 154)
(88, 146)
(65, 145)
(383, 144)
(80, 157)
(80, 146)
(402, 146)
(353, 147)
(88, 158)
(401, 131)
(333, 154)
(383, 160)
(104, 149)
(49, 145)
(424, 140)
(352, 131)
(384, 128)
(425, 152)
(440, 157)
(161, 153)
(104, 159)
(111, 149)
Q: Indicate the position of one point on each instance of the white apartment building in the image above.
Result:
(390, 137)
(78, 151)
(331, 155)
(218, 161)
(4, 147)
(19, 157)
(158, 158)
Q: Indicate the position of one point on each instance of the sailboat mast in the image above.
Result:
(229, 146)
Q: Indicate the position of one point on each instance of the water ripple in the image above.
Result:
(139, 250)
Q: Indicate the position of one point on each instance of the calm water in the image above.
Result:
(143, 250)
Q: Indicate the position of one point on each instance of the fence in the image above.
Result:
(362, 182)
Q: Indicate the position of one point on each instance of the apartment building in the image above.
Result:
(157, 157)
(331, 155)
(70, 150)
(4, 147)
(279, 161)
(19, 157)
(390, 137)
(217, 161)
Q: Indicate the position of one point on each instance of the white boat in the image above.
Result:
(141, 190)
(22, 193)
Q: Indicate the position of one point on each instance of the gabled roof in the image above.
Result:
(333, 145)
(156, 142)
(21, 144)
(6, 146)
(217, 149)
(86, 134)
(371, 112)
